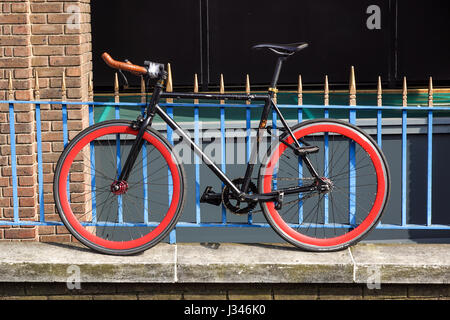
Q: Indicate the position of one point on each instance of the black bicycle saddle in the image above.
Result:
(282, 49)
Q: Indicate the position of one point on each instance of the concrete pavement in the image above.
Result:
(228, 263)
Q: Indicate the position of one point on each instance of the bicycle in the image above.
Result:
(322, 186)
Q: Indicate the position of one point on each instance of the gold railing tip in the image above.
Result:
(300, 91)
(430, 92)
(300, 84)
(195, 87)
(326, 92)
(405, 92)
(142, 84)
(247, 87)
(90, 87)
(195, 83)
(36, 80)
(169, 86)
(222, 88)
(143, 96)
(222, 84)
(379, 92)
(10, 87)
(63, 87)
(63, 81)
(352, 89)
(116, 82)
(116, 88)
(36, 92)
(275, 94)
(90, 82)
(10, 80)
(352, 79)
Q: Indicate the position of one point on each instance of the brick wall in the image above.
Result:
(50, 40)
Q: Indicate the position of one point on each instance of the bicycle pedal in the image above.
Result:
(211, 197)
(306, 150)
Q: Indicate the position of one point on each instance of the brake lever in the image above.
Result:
(124, 77)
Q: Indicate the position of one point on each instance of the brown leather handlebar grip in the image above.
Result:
(125, 66)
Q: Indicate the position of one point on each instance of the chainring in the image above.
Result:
(234, 205)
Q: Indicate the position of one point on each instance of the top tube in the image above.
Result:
(215, 96)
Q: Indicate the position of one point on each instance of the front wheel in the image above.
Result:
(355, 193)
(111, 216)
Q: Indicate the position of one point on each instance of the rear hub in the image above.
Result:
(326, 185)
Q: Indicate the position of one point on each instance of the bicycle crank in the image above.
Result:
(233, 204)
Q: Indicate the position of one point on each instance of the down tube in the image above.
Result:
(196, 149)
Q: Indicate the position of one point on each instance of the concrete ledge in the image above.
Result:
(228, 263)
(258, 263)
(405, 263)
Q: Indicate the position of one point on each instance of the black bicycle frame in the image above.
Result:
(153, 108)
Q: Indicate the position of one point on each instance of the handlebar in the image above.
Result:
(125, 66)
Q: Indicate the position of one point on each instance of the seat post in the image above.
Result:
(276, 74)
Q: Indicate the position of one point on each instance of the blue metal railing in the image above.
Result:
(198, 221)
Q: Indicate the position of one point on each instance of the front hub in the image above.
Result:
(119, 187)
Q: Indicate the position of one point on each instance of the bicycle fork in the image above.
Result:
(141, 124)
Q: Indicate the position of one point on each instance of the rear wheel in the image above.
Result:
(356, 188)
(111, 216)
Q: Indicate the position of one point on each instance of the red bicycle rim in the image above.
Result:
(118, 245)
(367, 222)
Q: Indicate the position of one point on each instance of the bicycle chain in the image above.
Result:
(285, 203)
(292, 201)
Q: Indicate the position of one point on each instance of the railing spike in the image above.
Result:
(379, 93)
(63, 87)
(326, 92)
(404, 93)
(143, 96)
(169, 86)
(430, 92)
(222, 88)
(247, 87)
(300, 91)
(275, 95)
(352, 89)
(195, 87)
(116, 88)
(90, 87)
(10, 87)
(37, 94)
